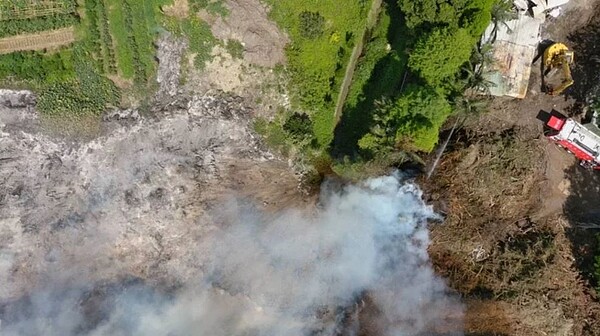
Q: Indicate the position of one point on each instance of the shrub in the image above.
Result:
(311, 24)
(439, 55)
(411, 122)
(299, 126)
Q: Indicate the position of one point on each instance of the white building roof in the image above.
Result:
(514, 49)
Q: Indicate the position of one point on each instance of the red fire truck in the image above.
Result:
(582, 140)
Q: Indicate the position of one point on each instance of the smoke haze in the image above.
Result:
(131, 234)
(283, 274)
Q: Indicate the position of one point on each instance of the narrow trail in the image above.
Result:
(356, 52)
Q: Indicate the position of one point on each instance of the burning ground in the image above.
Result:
(158, 228)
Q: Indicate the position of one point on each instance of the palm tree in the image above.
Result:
(475, 82)
(502, 11)
(482, 54)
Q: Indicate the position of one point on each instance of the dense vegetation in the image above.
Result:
(115, 39)
(323, 35)
(405, 99)
(417, 67)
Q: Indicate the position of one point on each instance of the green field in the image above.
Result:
(120, 35)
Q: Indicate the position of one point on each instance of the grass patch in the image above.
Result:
(212, 6)
(201, 39)
(235, 48)
(273, 134)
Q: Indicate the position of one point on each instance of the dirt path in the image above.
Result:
(43, 40)
(356, 53)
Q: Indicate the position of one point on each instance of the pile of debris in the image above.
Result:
(515, 45)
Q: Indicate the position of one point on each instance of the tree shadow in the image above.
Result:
(582, 210)
(586, 67)
(385, 79)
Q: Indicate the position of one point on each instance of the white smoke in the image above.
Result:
(129, 235)
(290, 273)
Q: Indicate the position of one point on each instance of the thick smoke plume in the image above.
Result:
(126, 236)
(279, 274)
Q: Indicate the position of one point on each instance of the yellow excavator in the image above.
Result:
(557, 69)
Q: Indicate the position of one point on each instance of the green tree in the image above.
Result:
(411, 122)
(418, 12)
(439, 55)
(299, 126)
(311, 24)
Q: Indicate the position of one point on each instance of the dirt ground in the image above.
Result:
(254, 75)
(517, 242)
(44, 40)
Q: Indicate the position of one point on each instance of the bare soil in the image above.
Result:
(253, 76)
(517, 242)
(248, 23)
(179, 9)
(38, 41)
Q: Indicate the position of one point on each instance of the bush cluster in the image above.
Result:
(444, 33)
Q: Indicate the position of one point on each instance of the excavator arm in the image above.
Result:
(557, 69)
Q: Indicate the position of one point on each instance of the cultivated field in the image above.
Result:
(25, 9)
(38, 41)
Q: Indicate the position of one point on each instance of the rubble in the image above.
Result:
(169, 53)
(127, 114)
(539, 8)
(15, 99)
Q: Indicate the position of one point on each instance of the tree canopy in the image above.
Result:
(439, 55)
(412, 121)
(449, 13)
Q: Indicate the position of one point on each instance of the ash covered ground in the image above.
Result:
(180, 223)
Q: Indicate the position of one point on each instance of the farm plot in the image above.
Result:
(25, 9)
(128, 37)
(34, 16)
(39, 41)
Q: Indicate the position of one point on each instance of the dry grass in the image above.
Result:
(519, 276)
(179, 9)
(44, 40)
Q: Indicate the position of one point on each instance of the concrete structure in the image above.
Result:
(515, 47)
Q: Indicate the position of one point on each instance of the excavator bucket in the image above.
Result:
(557, 69)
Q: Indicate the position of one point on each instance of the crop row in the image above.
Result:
(139, 69)
(24, 9)
(38, 24)
(99, 39)
(132, 24)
